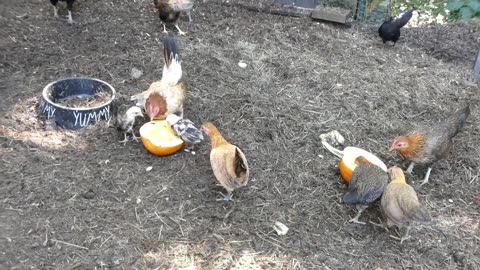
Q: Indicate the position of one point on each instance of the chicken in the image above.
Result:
(125, 120)
(390, 29)
(69, 7)
(169, 12)
(400, 204)
(156, 106)
(427, 145)
(185, 128)
(228, 162)
(366, 185)
(166, 96)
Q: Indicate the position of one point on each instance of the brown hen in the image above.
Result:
(228, 162)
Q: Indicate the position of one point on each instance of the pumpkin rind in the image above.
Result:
(174, 143)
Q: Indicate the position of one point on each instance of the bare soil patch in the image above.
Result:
(81, 200)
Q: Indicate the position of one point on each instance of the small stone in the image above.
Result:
(280, 228)
(242, 64)
(90, 194)
(136, 73)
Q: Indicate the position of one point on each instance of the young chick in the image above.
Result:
(125, 120)
(427, 145)
(185, 128)
(229, 164)
(400, 204)
(366, 185)
(69, 7)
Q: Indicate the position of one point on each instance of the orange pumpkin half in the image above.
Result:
(159, 138)
(347, 163)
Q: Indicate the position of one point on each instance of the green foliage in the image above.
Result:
(452, 10)
(463, 9)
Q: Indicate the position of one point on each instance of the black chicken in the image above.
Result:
(69, 7)
(390, 29)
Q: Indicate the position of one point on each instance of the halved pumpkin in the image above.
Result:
(347, 163)
(159, 138)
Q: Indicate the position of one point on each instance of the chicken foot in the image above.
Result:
(135, 138)
(381, 225)
(189, 148)
(427, 176)
(179, 30)
(403, 236)
(124, 141)
(355, 219)
(227, 198)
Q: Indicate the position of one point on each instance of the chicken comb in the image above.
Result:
(170, 50)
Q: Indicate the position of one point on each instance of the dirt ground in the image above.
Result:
(81, 200)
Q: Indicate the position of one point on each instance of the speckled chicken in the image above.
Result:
(185, 128)
(366, 186)
(229, 163)
(427, 145)
(400, 204)
(125, 120)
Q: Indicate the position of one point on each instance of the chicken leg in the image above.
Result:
(410, 168)
(70, 19)
(135, 138)
(189, 148)
(124, 141)
(55, 11)
(179, 30)
(427, 176)
(165, 29)
(403, 236)
(355, 219)
(381, 225)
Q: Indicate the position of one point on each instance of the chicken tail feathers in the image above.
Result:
(402, 21)
(457, 121)
(172, 70)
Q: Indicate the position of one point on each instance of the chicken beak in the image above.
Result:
(392, 147)
(151, 116)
